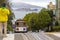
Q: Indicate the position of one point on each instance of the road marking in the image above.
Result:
(36, 36)
(31, 36)
(24, 36)
(46, 36)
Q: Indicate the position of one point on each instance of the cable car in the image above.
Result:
(21, 26)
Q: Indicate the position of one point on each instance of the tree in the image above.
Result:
(1, 1)
(33, 21)
(29, 18)
(43, 18)
(10, 18)
(26, 18)
(52, 19)
(38, 20)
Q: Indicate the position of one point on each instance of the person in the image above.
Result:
(4, 13)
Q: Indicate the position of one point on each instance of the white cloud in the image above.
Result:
(32, 0)
(42, 4)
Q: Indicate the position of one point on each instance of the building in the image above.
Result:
(58, 10)
(52, 7)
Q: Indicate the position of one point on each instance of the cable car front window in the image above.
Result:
(17, 24)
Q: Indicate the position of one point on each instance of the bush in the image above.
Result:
(56, 23)
(56, 28)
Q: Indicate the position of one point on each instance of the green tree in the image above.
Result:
(28, 17)
(38, 20)
(43, 18)
(10, 18)
(52, 20)
(1, 1)
(34, 22)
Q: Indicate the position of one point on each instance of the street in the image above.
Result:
(31, 36)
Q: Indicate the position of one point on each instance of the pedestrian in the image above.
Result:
(4, 13)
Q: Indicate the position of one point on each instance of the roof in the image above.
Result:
(20, 20)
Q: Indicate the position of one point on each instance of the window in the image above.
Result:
(17, 24)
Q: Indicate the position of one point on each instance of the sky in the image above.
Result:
(41, 3)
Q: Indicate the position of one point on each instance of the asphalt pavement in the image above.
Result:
(18, 36)
(31, 36)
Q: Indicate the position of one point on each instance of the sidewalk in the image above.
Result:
(57, 34)
(1, 37)
(9, 37)
(54, 33)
